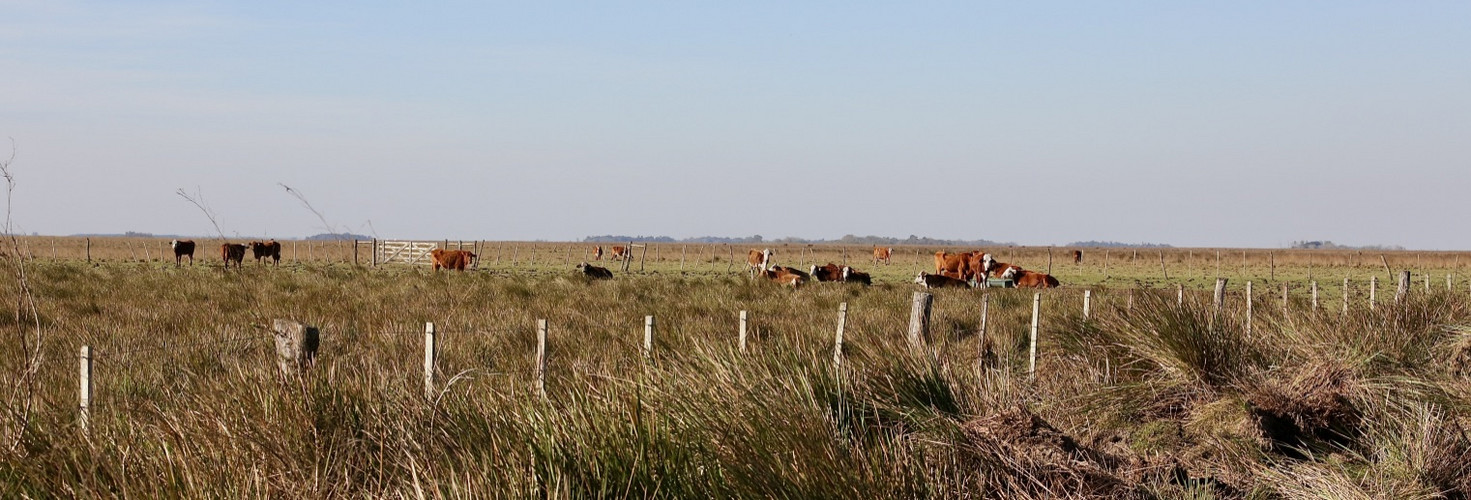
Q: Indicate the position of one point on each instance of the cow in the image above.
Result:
(270, 249)
(882, 254)
(991, 268)
(757, 261)
(595, 272)
(829, 272)
(1030, 279)
(182, 248)
(597, 252)
(232, 251)
(939, 281)
(1077, 256)
(451, 259)
(785, 276)
(954, 265)
(620, 252)
(851, 275)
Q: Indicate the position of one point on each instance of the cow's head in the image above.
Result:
(987, 263)
(1010, 273)
(813, 270)
(174, 244)
(846, 272)
(919, 278)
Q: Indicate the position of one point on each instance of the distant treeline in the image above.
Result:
(845, 240)
(1328, 245)
(136, 234)
(1109, 244)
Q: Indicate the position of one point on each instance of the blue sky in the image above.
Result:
(1248, 124)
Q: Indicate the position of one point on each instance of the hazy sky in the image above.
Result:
(1189, 123)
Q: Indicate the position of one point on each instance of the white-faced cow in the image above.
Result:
(757, 261)
(595, 272)
(851, 275)
(182, 248)
(940, 281)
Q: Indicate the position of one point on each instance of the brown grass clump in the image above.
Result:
(1312, 405)
(1027, 457)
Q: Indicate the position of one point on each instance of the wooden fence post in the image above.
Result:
(1162, 269)
(838, 338)
(743, 331)
(1284, 297)
(296, 346)
(1248, 308)
(89, 251)
(1032, 357)
(1373, 290)
(375, 252)
(1315, 295)
(919, 319)
(981, 335)
(1087, 302)
(354, 253)
(541, 358)
(681, 256)
(643, 256)
(648, 337)
(1447, 282)
(84, 386)
(1345, 295)
(1220, 296)
(430, 352)
(731, 260)
(1403, 288)
(1180, 293)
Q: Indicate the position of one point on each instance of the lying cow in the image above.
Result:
(882, 254)
(991, 268)
(270, 249)
(451, 259)
(784, 276)
(232, 252)
(1030, 279)
(829, 272)
(595, 272)
(182, 248)
(851, 275)
(939, 281)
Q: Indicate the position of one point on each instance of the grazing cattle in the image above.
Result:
(595, 272)
(620, 252)
(851, 275)
(182, 248)
(991, 268)
(954, 265)
(232, 251)
(451, 259)
(270, 249)
(1030, 279)
(830, 272)
(758, 261)
(882, 255)
(597, 252)
(939, 281)
(1077, 256)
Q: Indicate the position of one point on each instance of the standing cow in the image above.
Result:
(597, 252)
(1077, 256)
(182, 248)
(758, 261)
(260, 249)
(232, 252)
(882, 254)
(451, 259)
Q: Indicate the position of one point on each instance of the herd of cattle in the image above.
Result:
(964, 270)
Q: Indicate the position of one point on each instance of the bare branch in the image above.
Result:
(302, 198)
(198, 201)
(22, 396)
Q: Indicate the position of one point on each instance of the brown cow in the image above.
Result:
(1030, 279)
(954, 265)
(785, 276)
(597, 252)
(992, 269)
(270, 249)
(451, 259)
(757, 261)
(882, 255)
(595, 272)
(232, 251)
(182, 248)
(1077, 256)
(830, 272)
(620, 252)
(851, 275)
(939, 281)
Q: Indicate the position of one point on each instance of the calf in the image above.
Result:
(451, 259)
(595, 272)
(882, 254)
(597, 252)
(182, 248)
(830, 272)
(851, 275)
(939, 281)
(232, 251)
(270, 249)
(1031, 279)
(758, 261)
(785, 276)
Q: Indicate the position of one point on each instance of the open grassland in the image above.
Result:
(1148, 398)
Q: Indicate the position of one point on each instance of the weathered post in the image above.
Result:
(744, 320)
(919, 319)
(838, 338)
(1162, 269)
(1087, 302)
(1373, 290)
(643, 255)
(1049, 259)
(84, 386)
(1220, 296)
(730, 261)
(1032, 357)
(985, 312)
(1248, 308)
(354, 253)
(375, 252)
(1403, 287)
(430, 352)
(681, 256)
(1284, 297)
(1315, 295)
(1345, 295)
(541, 358)
(89, 251)
(1180, 293)
(296, 346)
(648, 337)
(1447, 282)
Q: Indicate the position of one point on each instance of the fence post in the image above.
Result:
(1315, 295)
(919, 319)
(89, 251)
(1248, 308)
(1032, 357)
(1162, 269)
(296, 345)
(981, 335)
(430, 352)
(541, 358)
(1180, 293)
(838, 338)
(1087, 302)
(1373, 290)
(1447, 282)
(681, 256)
(374, 251)
(743, 331)
(1403, 287)
(1427, 282)
(648, 337)
(642, 256)
(354, 253)
(1345, 295)
(84, 386)
(1220, 296)
(1284, 297)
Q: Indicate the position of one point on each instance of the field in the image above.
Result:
(1148, 397)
